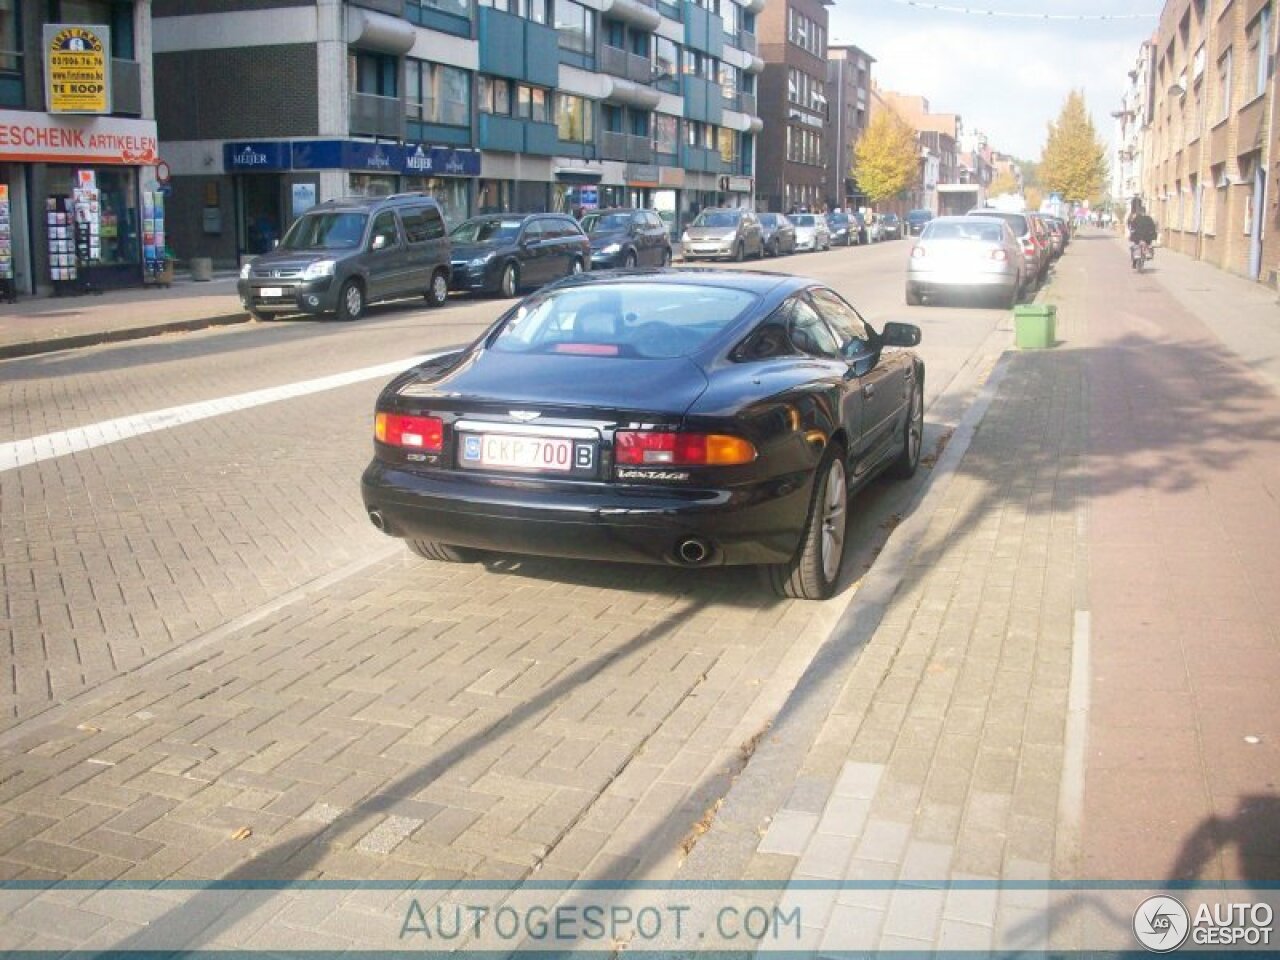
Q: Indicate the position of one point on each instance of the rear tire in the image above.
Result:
(666, 257)
(438, 291)
(442, 552)
(739, 253)
(812, 574)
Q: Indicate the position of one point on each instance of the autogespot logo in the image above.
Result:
(1161, 924)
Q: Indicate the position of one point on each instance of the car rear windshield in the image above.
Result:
(769, 219)
(973, 229)
(917, 215)
(719, 219)
(635, 320)
(803, 219)
(325, 231)
(480, 231)
(840, 219)
(1017, 222)
(605, 222)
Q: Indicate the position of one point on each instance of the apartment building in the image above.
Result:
(793, 166)
(85, 142)
(489, 105)
(1132, 124)
(1211, 136)
(848, 113)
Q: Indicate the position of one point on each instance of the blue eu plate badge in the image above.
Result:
(471, 448)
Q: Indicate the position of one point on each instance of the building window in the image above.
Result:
(533, 103)
(728, 145)
(573, 119)
(666, 58)
(805, 33)
(10, 38)
(459, 8)
(666, 130)
(493, 95)
(575, 27)
(729, 80)
(372, 73)
(1258, 36)
(435, 93)
(1224, 84)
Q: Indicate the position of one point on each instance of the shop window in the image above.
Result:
(119, 225)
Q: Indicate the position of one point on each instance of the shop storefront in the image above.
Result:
(72, 206)
(258, 171)
(445, 173)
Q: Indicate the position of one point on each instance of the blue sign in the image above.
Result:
(441, 162)
(372, 157)
(256, 155)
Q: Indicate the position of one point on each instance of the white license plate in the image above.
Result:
(520, 453)
(271, 291)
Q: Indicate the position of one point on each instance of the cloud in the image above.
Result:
(1005, 77)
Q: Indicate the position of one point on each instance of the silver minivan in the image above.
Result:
(728, 233)
(341, 255)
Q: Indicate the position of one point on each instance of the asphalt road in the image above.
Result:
(189, 573)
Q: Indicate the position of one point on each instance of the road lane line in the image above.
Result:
(21, 453)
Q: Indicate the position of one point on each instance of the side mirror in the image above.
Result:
(900, 335)
(379, 241)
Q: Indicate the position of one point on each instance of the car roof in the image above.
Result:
(519, 216)
(368, 203)
(618, 210)
(758, 282)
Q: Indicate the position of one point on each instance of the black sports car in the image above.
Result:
(687, 417)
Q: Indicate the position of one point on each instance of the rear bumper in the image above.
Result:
(945, 280)
(636, 524)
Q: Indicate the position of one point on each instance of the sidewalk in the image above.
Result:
(1075, 677)
(42, 324)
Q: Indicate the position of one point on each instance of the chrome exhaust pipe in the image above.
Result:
(693, 551)
(376, 518)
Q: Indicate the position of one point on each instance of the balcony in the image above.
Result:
(126, 87)
(703, 100)
(625, 146)
(623, 63)
(703, 30)
(374, 116)
(511, 46)
(541, 138)
(498, 132)
(700, 159)
(747, 41)
(742, 102)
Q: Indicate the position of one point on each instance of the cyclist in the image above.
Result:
(1142, 234)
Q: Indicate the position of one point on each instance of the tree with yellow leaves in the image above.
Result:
(886, 160)
(1005, 182)
(1074, 162)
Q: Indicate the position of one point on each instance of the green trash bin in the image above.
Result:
(1033, 325)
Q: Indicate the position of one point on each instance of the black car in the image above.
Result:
(686, 418)
(627, 238)
(845, 231)
(892, 226)
(916, 220)
(779, 234)
(500, 253)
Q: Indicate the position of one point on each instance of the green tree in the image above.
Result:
(1005, 182)
(1074, 162)
(886, 160)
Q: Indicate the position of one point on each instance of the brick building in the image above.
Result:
(792, 169)
(1210, 142)
(848, 113)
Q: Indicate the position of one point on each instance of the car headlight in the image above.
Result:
(479, 261)
(244, 271)
(318, 270)
(684, 237)
(611, 249)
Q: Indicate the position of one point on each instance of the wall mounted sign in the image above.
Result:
(77, 62)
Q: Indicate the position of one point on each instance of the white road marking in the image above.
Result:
(21, 453)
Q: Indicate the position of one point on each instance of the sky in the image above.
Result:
(1006, 76)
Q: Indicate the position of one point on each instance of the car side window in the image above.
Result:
(854, 334)
(533, 232)
(422, 224)
(384, 226)
(810, 334)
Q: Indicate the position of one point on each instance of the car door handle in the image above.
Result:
(868, 390)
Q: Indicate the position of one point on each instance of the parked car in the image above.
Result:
(667, 417)
(845, 230)
(728, 233)
(875, 228)
(915, 221)
(341, 255)
(892, 226)
(965, 254)
(501, 253)
(1035, 252)
(863, 235)
(779, 234)
(626, 238)
(811, 231)
(1057, 235)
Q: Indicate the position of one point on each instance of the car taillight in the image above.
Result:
(1029, 247)
(651, 447)
(917, 250)
(999, 255)
(420, 433)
